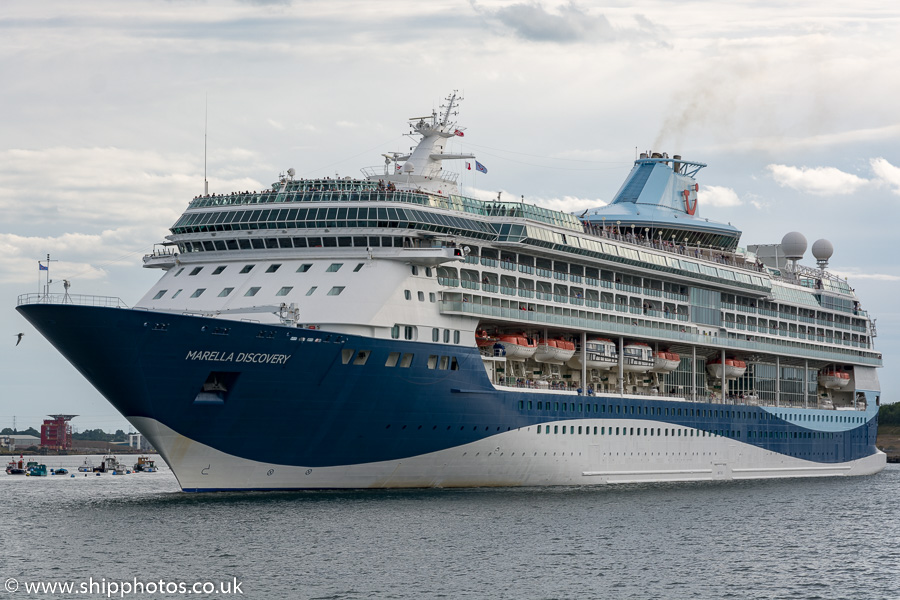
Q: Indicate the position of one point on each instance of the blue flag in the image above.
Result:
(42, 267)
(480, 167)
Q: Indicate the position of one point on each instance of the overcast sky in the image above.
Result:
(103, 105)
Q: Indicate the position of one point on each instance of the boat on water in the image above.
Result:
(36, 470)
(87, 466)
(16, 467)
(110, 464)
(144, 465)
(59, 471)
(379, 331)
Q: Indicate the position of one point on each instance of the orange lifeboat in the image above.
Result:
(833, 380)
(518, 347)
(732, 370)
(483, 340)
(665, 362)
(554, 351)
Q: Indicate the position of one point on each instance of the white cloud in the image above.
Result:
(853, 275)
(714, 195)
(886, 172)
(821, 181)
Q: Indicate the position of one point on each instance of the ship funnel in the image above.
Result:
(676, 164)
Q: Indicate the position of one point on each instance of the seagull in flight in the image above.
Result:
(19, 338)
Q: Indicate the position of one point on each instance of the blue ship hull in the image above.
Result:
(294, 397)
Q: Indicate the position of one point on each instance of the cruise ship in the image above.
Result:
(386, 331)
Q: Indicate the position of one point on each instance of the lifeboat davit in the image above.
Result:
(665, 362)
(733, 368)
(600, 354)
(638, 358)
(833, 380)
(518, 347)
(554, 352)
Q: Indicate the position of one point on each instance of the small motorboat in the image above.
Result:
(86, 467)
(16, 467)
(144, 465)
(59, 471)
(36, 470)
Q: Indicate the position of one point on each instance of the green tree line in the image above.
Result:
(889, 414)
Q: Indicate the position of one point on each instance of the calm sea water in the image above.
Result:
(797, 539)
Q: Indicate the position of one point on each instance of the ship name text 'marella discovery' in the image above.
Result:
(387, 331)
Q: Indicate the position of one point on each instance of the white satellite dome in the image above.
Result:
(793, 245)
(822, 249)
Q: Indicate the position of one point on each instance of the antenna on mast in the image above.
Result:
(205, 129)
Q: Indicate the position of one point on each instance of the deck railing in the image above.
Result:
(76, 299)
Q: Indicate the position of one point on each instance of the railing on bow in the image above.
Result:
(77, 299)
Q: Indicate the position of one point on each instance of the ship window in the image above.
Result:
(358, 267)
(197, 292)
(414, 269)
(392, 359)
(179, 272)
(539, 429)
(219, 269)
(564, 429)
(435, 334)
(252, 291)
(244, 244)
(175, 295)
(344, 242)
(334, 267)
(336, 290)
(247, 269)
(273, 268)
(454, 364)
(311, 290)
(446, 336)
(427, 271)
(362, 357)
(556, 428)
(284, 291)
(395, 332)
(225, 292)
(409, 332)
(431, 297)
(304, 268)
(407, 294)
(455, 335)
(432, 361)
(421, 296)
(195, 271)
(406, 361)
(445, 363)
(346, 355)
(160, 294)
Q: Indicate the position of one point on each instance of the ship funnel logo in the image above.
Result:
(691, 194)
